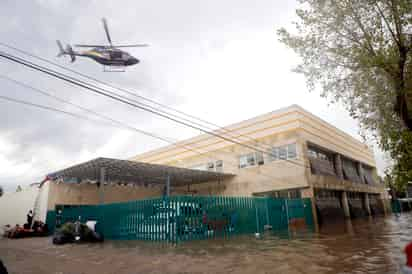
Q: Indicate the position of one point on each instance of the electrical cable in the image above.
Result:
(115, 97)
(219, 128)
(168, 140)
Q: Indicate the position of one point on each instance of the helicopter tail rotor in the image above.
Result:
(61, 49)
(68, 51)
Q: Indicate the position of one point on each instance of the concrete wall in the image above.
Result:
(41, 210)
(272, 124)
(86, 193)
(15, 206)
(271, 176)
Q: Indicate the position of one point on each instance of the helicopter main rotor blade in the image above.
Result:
(106, 29)
(90, 46)
(130, 46)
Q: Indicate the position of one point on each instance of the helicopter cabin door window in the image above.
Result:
(116, 54)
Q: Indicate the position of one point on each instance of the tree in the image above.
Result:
(1, 191)
(359, 52)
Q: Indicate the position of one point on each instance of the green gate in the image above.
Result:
(181, 218)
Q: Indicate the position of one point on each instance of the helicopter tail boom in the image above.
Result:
(68, 51)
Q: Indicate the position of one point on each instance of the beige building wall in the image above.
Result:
(285, 126)
(89, 194)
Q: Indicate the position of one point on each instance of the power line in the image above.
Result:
(122, 99)
(220, 128)
(79, 107)
(6, 98)
(168, 140)
(144, 98)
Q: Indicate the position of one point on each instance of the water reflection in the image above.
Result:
(370, 245)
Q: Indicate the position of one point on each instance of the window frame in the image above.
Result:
(286, 152)
(251, 159)
(219, 166)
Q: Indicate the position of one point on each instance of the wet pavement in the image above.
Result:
(359, 246)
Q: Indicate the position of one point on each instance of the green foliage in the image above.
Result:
(400, 149)
(359, 52)
(1, 191)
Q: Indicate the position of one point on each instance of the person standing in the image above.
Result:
(30, 218)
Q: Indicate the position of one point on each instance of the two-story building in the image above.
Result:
(286, 153)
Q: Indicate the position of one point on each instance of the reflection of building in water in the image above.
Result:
(299, 155)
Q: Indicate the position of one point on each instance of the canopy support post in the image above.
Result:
(101, 186)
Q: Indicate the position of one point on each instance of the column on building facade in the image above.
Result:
(345, 204)
(338, 166)
(367, 204)
(360, 172)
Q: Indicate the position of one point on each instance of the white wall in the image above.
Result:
(15, 206)
(43, 196)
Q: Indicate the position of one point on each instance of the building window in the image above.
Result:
(312, 153)
(219, 166)
(321, 162)
(287, 194)
(284, 152)
(251, 159)
(292, 151)
(259, 158)
(318, 154)
(275, 154)
(200, 167)
(368, 175)
(211, 166)
(243, 161)
(350, 171)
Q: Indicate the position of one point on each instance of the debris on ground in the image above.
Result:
(38, 229)
(75, 232)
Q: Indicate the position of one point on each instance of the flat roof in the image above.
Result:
(124, 171)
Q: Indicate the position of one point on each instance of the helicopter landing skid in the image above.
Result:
(114, 68)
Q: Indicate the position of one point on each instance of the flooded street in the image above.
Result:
(360, 246)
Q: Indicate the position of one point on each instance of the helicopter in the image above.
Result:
(110, 56)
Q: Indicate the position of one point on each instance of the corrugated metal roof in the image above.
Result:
(124, 171)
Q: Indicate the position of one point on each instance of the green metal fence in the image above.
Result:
(181, 218)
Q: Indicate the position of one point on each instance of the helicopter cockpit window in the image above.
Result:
(116, 54)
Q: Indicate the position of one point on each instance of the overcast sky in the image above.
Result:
(218, 60)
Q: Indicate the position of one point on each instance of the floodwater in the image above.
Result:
(357, 246)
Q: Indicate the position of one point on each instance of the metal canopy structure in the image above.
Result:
(124, 171)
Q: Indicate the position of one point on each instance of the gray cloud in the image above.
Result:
(191, 41)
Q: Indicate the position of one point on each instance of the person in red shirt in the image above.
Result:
(408, 252)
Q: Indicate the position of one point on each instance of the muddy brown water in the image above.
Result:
(359, 246)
